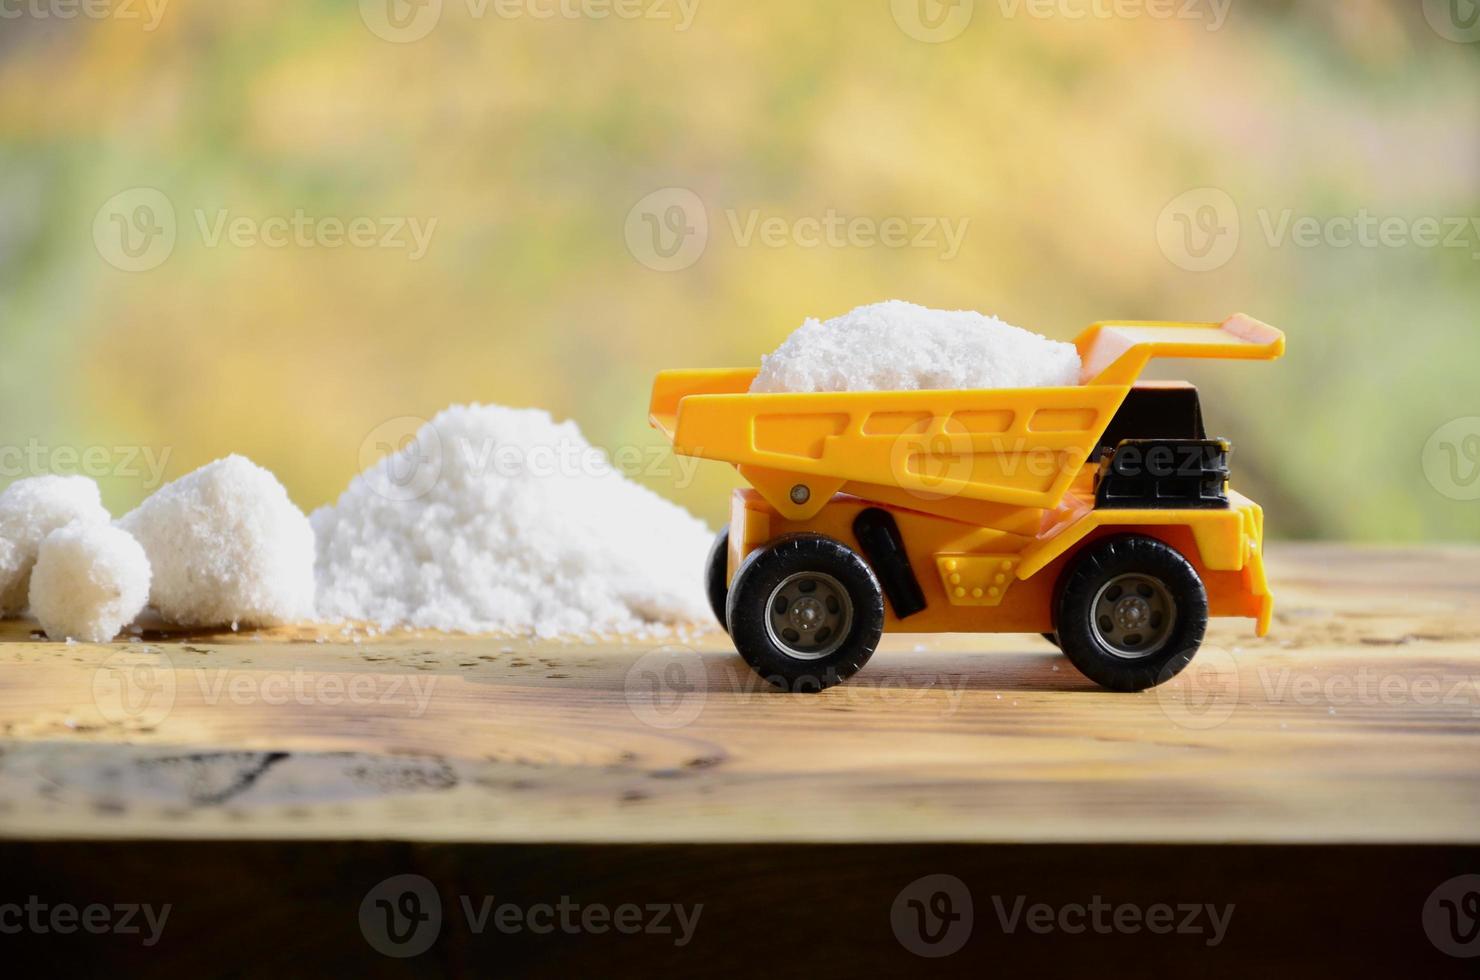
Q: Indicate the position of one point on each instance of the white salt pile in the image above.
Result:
(227, 547)
(30, 509)
(499, 519)
(90, 581)
(898, 346)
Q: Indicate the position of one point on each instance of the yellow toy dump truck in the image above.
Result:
(1098, 515)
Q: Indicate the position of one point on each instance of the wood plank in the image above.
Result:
(1355, 721)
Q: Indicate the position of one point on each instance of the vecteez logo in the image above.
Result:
(1205, 694)
(401, 21)
(933, 21)
(406, 21)
(135, 229)
(1205, 920)
(147, 13)
(666, 688)
(1451, 917)
(402, 917)
(1198, 230)
(668, 230)
(1451, 458)
(1454, 20)
(932, 916)
(135, 687)
(39, 917)
(1201, 230)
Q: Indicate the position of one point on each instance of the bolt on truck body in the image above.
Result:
(1099, 514)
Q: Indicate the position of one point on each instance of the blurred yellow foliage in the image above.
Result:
(521, 146)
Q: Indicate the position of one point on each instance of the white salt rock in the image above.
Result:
(898, 346)
(90, 581)
(30, 509)
(227, 546)
(495, 519)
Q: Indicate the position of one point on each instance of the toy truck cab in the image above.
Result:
(1098, 514)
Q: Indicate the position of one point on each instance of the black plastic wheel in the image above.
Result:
(716, 567)
(1132, 612)
(1052, 638)
(806, 612)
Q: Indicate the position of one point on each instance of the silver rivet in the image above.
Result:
(800, 494)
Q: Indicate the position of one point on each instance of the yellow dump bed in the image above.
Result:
(1013, 446)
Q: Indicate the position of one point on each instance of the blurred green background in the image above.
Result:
(587, 187)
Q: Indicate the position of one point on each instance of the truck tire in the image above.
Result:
(806, 612)
(1132, 612)
(716, 567)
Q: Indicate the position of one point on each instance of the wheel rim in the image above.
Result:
(808, 615)
(1133, 616)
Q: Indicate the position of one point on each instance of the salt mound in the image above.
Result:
(30, 509)
(89, 582)
(500, 520)
(898, 346)
(227, 546)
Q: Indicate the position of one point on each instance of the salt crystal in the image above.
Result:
(495, 519)
(227, 546)
(30, 509)
(898, 346)
(89, 581)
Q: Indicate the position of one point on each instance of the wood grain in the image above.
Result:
(1355, 721)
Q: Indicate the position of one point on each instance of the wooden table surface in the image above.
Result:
(1356, 720)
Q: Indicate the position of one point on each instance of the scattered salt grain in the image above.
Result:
(90, 580)
(227, 546)
(30, 509)
(898, 346)
(495, 519)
